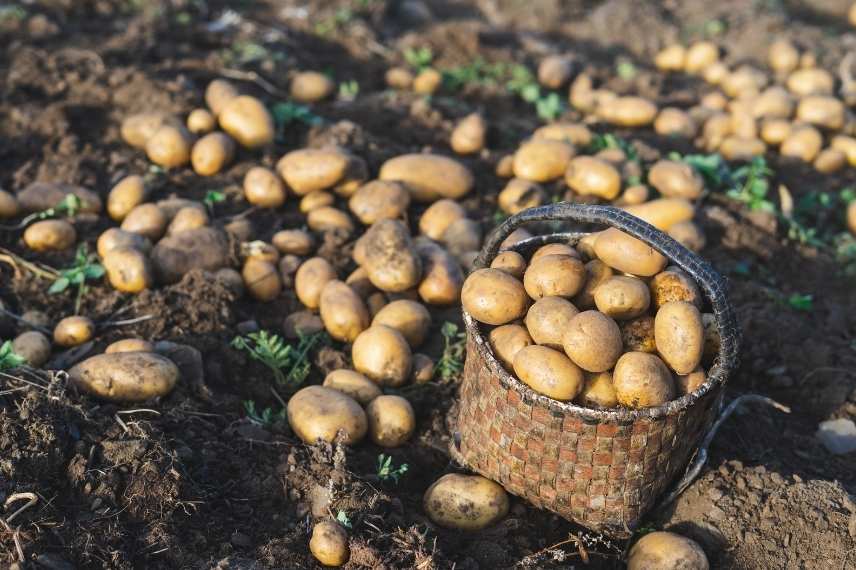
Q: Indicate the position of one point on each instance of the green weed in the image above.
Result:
(451, 363)
(290, 365)
(419, 58)
(8, 358)
(386, 471)
(264, 417)
(84, 268)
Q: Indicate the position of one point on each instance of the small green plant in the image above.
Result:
(285, 113)
(712, 168)
(752, 183)
(84, 268)
(68, 206)
(605, 141)
(419, 58)
(213, 197)
(626, 70)
(386, 471)
(801, 302)
(247, 52)
(290, 365)
(8, 358)
(548, 106)
(331, 24)
(451, 364)
(344, 520)
(264, 417)
(348, 90)
(477, 72)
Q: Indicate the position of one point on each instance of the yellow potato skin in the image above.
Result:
(597, 272)
(317, 413)
(511, 262)
(310, 279)
(679, 334)
(598, 391)
(542, 160)
(343, 312)
(329, 544)
(507, 340)
(494, 297)
(50, 235)
(638, 335)
(383, 355)
(126, 195)
(547, 318)
(439, 216)
(391, 421)
(74, 330)
(548, 372)
(628, 254)
(590, 176)
(410, 318)
(465, 502)
(642, 380)
(128, 270)
(592, 341)
(560, 275)
(622, 297)
(125, 376)
(665, 551)
(130, 345)
(261, 279)
(353, 384)
(392, 262)
(263, 188)
(429, 177)
(248, 121)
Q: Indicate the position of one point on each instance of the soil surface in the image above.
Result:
(190, 482)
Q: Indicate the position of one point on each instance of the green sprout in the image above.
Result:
(801, 302)
(264, 417)
(386, 471)
(213, 197)
(343, 519)
(419, 58)
(290, 365)
(84, 268)
(752, 185)
(548, 106)
(285, 113)
(451, 364)
(68, 206)
(9, 359)
(626, 70)
(348, 90)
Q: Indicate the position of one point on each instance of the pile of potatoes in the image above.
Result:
(606, 324)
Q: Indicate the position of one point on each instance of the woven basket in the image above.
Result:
(602, 469)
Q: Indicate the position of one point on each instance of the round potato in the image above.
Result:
(676, 179)
(125, 376)
(353, 384)
(410, 318)
(263, 188)
(590, 176)
(465, 502)
(674, 122)
(148, 220)
(169, 146)
(830, 160)
(248, 121)
(783, 56)
(74, 330)
(559, 275)
(628, 254)
(399, 78)
(201, 122)
(187, 219)
(128, 270)
(505, 166)
(774, 131)
(592, 341)
(294, 242)
(136, 130)
(311, 86)
(427, 81)
(343, 312)
(391, 421)
(379, 200)
(641, 380)
(666, 551)
(218, 93)
(261, 279)
(622, 297)
(674, 285)
(519, 195)
(511, 262)
(506, 341)
(494, 297)
(542, 160)
(700, 55)
(329, 544)
(129, 193)
(439, 216)
(34, 347)
(597, 272)
(429, 177)
(671, 58)
(391, 259)
(555, 71)
(316, 412)
(50, 235)
(548, 372)
(598, 391)
(212, 153)
(679, 334)
(469, 134)
(130, 345)
(310, 280)
(803, 143)
(547, 319)
(638, 335)
(9, 206)
(382, 354)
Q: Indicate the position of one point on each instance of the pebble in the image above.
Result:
(837, 436)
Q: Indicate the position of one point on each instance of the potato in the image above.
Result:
(494, 297)
(674, 122)
(428, 177)
(597, 272)
(218, 93)
(511, 262)
(328, 219)
(505, 166)
(629, 111)
(679, 334)
(203, 248)
(671, 58)
(803, 143)
(148, 220)
(637, 334)
(804, 82)
(125, 376)
(851, 15)
(169, 146)
(515, 237)
(622, 297)
(391, 259)
(262, 280)
(774, 103)
(170, 206)
(462, 237)
(130, 345)
(201, 122)
(353, 384)
(589, 176)
(248, 121)
(116, 238)
(391, 421)
(359, 281)
(674, 285)
(442, 278)
(555, 71)
(410, 318)
(830, 160)
(34, 347)
(375, 302)
(774, 131)
(575, 134)
(507, 340)
(469, 134)
(343, 312)
(592, 341)
(128, 270)
(465, 502)
(548, 372)
(666, 551)
(9, 207)
(310, 280)
(598, 391)
(50, 235)
(379, 200)
(321, 413)
(676, 179)
(633, 195)
(187, 219)
(399, 78)
(554, 249)
(783, 56)
(716, 130)
(423, 369)
(240, 229)
(712, 342)
(311, 86)
(581, 95)
(439, 216)
(542, 160)
(32, 318)
(736, 148)
(356, 175)
(821, 110)
(641, 380)
(628, 254)
(561, 275)
(699, 56)
(329, 544)
(547, 319)
(295, 242)
(745, 81)
(126, 195)
(427, 81)
(315, 200)
(263, 188)
(689, 383)
(847, 145)
(714, 101)
(40, 196)
(212, 153)
(136, 130)
(519, 194)
(311, 169)
(383, 355)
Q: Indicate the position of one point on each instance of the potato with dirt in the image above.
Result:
(494, 297)
(547, 318)
(310, 279)
(379, 200)
(666, 551)
(311, 86)
(354, 384)
(343, 312)
(125, 376)
(329, 544)
(128, 270)
(391, 259)
(592, 341)
(392, 421)
(428, 177)
(548, 372)
(170, 146)
(622, 297)
(673, 284)
(261, 279)
(676, 180)
(410, 318)
(519, 195)
(136, 130)
(642, 380)
(129, 345)
(248, 121)
(322, 413)
(382, 354)
(185, 219)
(34, 347)
(598, 391)
(203, 248)
(511, 262)
(638, 334)
(465, 502)
(148, 220)
(118, 238)
(50, 235)
(554, 274)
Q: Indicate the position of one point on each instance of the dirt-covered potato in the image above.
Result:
(547, 319)
(263, 188)
(9, 206)
(50, 235)
(465, 502)
(125, 376)
(628, 111)
(391, 259)
(128, 269)
(329, 544)
(328, 219)
(423, 369)
(427, 81)
(515, 237)
(399, 78)
(391, 421)
(316, 412)
(218, 93)
(628, 254)
(519, 194)
(379, 200)
(590, 176)
(343, 312)
(428, 177)
(383, 355)
(130, 345)
(494, 297)
(542, 160)
(597, 272)
(803, 143)
(461, 237)
(148, 220)
(169, 146)
(642, 380)
(811, 81)
(248, 121)
(676, 179)
(511, 262)
(442, 278)
(598, 391)
(311, 169)
(353, 384)
(212, 153)
(410, 318)
(637, 334)
(310, 280)
(201, 122)
(203, 248)
(622, 297)
(261, 279)
(560, 275)
(592, 341)
(554, 71)
(126, 195)
(34, 347)
(311, 86)
(679, 334)
(469, 134)
(294, 242)
(822, 110)
(439, 216)
(548, 372)
(116, 238)
(666, 551)
(674, 122)
(40, 196)
(673, 284)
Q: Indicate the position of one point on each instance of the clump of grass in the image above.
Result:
(451, 363)
(290, 365)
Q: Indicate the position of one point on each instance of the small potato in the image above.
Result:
(689, 383)
(125, 376)
(353, 384)
(555, 71)
(321, 413)
(9, 207)
(699, 56)
(427, 81)
(773, 103)
(315, 200)
(847, 145)
(803, 143)
(34, 347)
(301, 323)
(32, 318)
(575, 134)
(465, 502)
(494, 297)
(637, 335)
(261, 279)
(589, 176)
(542, 160)
(201, 122)
(505, 166)
(804, 82)
(399, 78)
(328, 219)
(136, 130)
(359, 281)
(391, 259)
(679, 334)
(633, 195)
(469, 135)
(629, 111)
(519, 195)
(423, 369)
(774, 131)
(383, 355)
(128, 270)
(329, 544)
(218, 93)
(187, 219)
(310, 280)
(343, 312)
(311, 86)
(248, 121)
(294, 242)
(560, 275)
(169, 146)
(148, 220)
(129, 193)
(673, 122)
(783, 56)
(212, 153)
(598, 391)
(547, 319)
(439, 216)
(232, 280)
(462, 237)
(548, 372)
(822, 110)
(586, 244)
(312, 169)
(597, 272)
(203, 248)
(116, 238)
(379, 200)
(592, 341)
(50, 235)
(511, 262)
(671, 58)
(410, 318)
(676, 179)
(737, 148)
(830, 160)
(429, 177)
(506, 341)
(517, 236)
(628, 254)
(674, 285)
(622, 297)
(641, 380)
(130, 345)
(666, 551)
(263, 188)
(745, 81)
(688, 234)
(581, 95)
(391, 421)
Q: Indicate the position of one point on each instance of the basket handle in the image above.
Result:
(710, 281)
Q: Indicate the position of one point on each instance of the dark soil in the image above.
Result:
(189, 482)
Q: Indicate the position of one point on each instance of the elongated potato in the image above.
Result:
(329, 219)
(542, 160)
(641, 380)
(410, 318)
(679, 334)
(126, 195)
(136, 130)
(248, 121)
(148, 220)
(312, 169)
(203, 248)
(169, 146)
(379, 200)
(263, 188)
(442, 278)
(294, 242)
(506, 341)
(494, 297)
(321, 413)
(383, 355)
(465, 502)
(311, 86)
(310, 280)
(469, 134)
(628, 254)
(560, 275)
(50, 235)
(218, 93)
(128, 270)
(125, 376)
(676, 179)
(212, 153)
(391, 420)
(592, 341)
(439, 216)
(343, 312)
(547, 319)
(429, 176)
(548, 372)
(354, 384)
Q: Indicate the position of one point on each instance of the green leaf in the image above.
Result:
(59, 285)
(9, 358)
(801, 302)
(94, 271)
